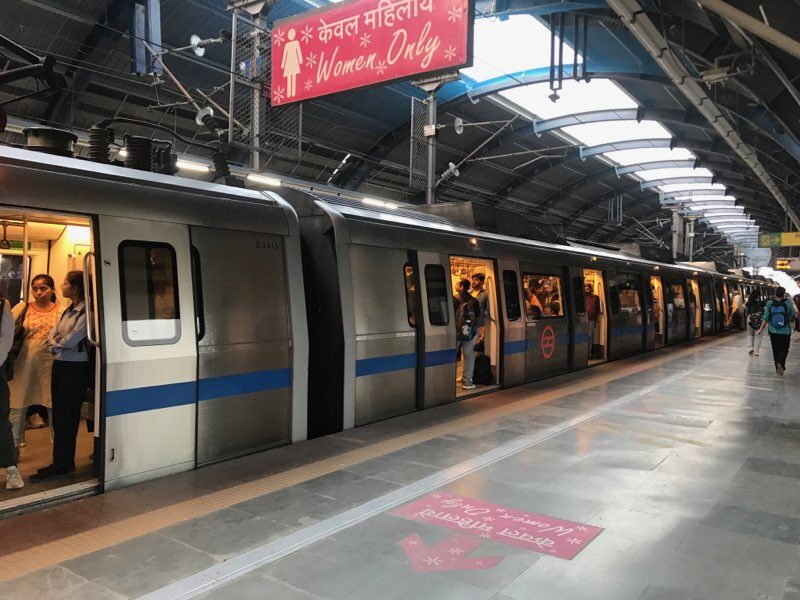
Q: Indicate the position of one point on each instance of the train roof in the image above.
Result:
(404, 217)
(58, 183)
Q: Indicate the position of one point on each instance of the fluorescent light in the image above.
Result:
(373, 202)
(390, 206)
(192, 166)
(271, 181)
(122, 153)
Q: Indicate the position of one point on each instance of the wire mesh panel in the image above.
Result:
(253, 122)
(418, 146)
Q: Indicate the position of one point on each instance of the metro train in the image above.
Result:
(228, 321)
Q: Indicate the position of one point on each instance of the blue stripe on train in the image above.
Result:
(440, 357)
(123, 402)
(514, 347)
(402, 362)
(386, 364)
(245, 383)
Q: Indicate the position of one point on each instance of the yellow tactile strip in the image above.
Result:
(63, 549)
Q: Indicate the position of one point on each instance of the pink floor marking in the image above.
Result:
(449, 555)
(555, 537)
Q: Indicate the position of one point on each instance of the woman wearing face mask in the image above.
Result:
(34, 363)
(70, 378)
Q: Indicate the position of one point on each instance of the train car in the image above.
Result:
(380, 287)
(196, 308)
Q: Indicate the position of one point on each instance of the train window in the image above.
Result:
(438, 296)
(149, 290)
(542, 296)
(511, 292)
(625, 294)
(411, 292)
(578, 290)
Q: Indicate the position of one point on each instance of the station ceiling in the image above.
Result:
(519, 158)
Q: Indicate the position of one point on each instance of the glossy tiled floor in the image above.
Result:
(689, 461)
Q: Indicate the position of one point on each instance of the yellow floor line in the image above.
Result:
(60, 550)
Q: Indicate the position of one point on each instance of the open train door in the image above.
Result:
(150, 349)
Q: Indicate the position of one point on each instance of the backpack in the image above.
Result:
(755, 318)
(465, 320)
(778, 314)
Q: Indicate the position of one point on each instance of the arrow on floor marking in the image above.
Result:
(448, 555)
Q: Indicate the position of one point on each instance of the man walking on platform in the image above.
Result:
(778, 316)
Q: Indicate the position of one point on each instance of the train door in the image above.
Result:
(676, 311)
(726, 305)
(385, 333)
(625, 319)
(546, 322)
(150, 349)
(720, 306)
(480, 275)
(659, 314)
(513, 359)
(244, 343)
(438, 362)
(580, 320)
(707, 300)
(37, 250)
(695, 309)
(597, 328)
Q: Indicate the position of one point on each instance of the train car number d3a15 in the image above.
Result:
(264, 245)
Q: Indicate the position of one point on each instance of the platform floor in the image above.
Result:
(670, 476)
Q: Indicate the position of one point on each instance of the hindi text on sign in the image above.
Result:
(367, 42)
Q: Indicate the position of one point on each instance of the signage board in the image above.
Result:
(367, 42)
(787, 264)
(776, 240)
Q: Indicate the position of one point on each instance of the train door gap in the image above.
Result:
(594, 285)
(483, 286)
(56, 245)
(657, 289)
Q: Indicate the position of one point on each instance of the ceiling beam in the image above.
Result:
(634, 17)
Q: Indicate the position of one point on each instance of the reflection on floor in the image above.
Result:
(38, 453)
(668, 476)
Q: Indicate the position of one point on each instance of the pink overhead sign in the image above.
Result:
(367, 42)
(563, 539)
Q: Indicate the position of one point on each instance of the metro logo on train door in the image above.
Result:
(548, 342)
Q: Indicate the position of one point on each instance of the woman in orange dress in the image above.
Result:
(34, 364)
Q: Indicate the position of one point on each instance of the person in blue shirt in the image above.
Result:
(778, 316)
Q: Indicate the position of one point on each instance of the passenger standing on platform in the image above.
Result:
(8, 451)
(797, 312)
(466, 331)
(70, 378)
(592, 312)
(33, 364)
(778, 316)
(755, 316)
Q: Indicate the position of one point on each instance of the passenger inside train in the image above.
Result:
(33, 281)
(657, 292)
(597, 326)
(482, 287)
